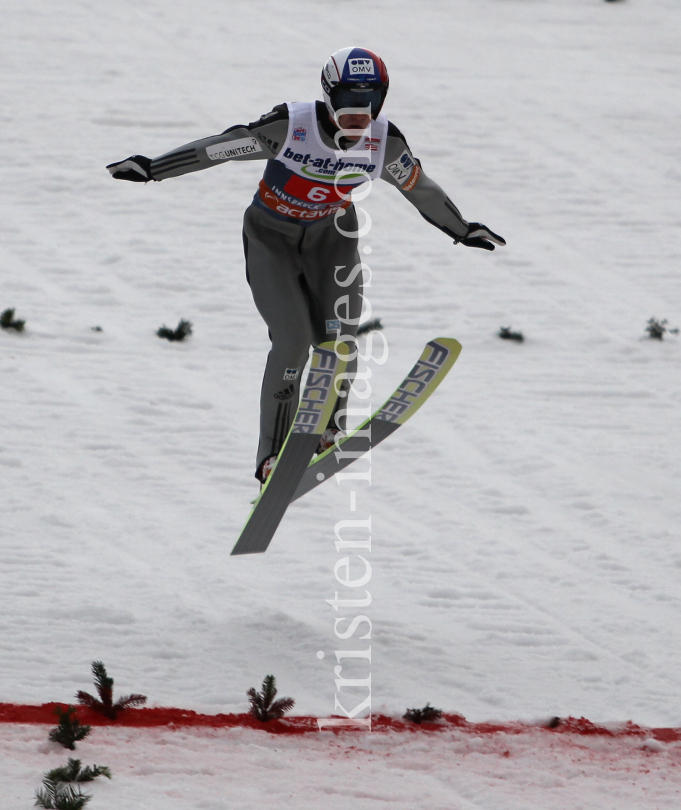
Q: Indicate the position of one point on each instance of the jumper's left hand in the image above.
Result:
(479, 236)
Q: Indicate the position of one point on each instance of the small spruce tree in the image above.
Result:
(69, 731)
(7, 321)
(263, 705)
(105, 704)
(183, 330)
(425, 715)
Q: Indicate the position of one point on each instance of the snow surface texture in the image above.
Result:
(201, 769)
(526, 554)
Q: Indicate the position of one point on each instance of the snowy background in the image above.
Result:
(526, 556)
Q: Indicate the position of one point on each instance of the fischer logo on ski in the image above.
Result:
(312, 417)
(415, 383)
(315, 394)
(436, 360)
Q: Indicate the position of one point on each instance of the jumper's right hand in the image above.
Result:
(136, 169)
(480, 236)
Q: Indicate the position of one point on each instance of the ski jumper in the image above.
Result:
(301, 232)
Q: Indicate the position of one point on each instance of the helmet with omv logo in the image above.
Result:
(354, 77)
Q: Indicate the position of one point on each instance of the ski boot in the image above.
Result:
(327, 439)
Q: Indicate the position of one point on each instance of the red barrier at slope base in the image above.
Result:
(179, 718)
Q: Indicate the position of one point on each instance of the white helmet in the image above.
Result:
(354, 77)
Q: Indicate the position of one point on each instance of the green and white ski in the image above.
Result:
(316, 406)
(431, 368)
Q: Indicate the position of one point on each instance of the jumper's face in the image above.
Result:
(353, 125)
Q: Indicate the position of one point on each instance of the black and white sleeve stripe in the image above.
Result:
(174, 160)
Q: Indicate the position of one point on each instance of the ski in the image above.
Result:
(314, 411)
(431, 368)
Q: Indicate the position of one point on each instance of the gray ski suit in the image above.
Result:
(301, 233)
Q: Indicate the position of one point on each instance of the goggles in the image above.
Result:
(344, 96)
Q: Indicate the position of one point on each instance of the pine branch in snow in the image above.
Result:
(74, 773)
(425, 715)
(69, 731)
(183, 330)
(7, 321)
(58, 792)
(505, 333)
(369, 326)
(263, 705)
(656, 329)
(56, 795)
(105, 704)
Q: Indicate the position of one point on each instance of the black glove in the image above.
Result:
(479, 236)
(136, 168)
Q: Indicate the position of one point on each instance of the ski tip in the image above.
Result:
(452, 345)
(453, 342)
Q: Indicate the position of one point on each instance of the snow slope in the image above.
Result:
(202, 769)
(525, 557)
